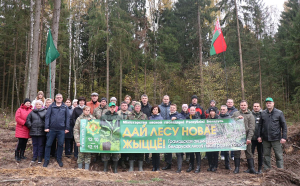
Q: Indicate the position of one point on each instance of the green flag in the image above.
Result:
(51, 51)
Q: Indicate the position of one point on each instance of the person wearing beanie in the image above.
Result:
(40, 96)
(94, 103)
(198, 107)
(212, 103)
(22, 132)
(102, 109)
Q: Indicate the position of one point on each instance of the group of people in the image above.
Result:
(53, 124)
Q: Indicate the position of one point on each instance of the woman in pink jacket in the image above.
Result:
(22, 132)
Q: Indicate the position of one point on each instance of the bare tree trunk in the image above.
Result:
(3, 78)
(25, 83)
(121, 75)
(260, 83)
(107, 50)
(8, 83)
(59, 78)
(240, 52)
(14, 76)
(75, 78)
(70, 50)
(35, 55)
(200, 57)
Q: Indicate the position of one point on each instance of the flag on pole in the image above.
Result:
(218, 44)
(51, 51)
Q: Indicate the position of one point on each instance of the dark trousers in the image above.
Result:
(147, 155)
(259, 147)
(124, 157)
(22, 142)
(231, 153)
(226, 155)
(52, 134)
(192, 157)
(213, 158)
(168, 158)
(53, 148)
(137, 156)
(69, 145)
(155, 160)
(38, 143)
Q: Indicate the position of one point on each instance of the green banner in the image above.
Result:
(162, 136)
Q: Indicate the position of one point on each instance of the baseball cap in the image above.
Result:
(94, 94)
(269, 99)
(111, 104)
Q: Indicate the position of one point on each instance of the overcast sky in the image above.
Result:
(277, 3)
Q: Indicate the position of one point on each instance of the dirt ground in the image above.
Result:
(24, 173)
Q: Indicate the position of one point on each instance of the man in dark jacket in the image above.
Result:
(146, 109)
(273, 132)
(257, 114)
(230, 107)
(57, 123)
(212, 103)
(199, 109)
(165, 107)
(224, 115)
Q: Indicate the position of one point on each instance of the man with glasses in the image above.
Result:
(57, 123)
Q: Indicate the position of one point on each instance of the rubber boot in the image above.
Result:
(168, 166)
(251, 166)
(22, 154)
(198, 166)
(18, 156)
(179, 164)
(157, 164)
(105, 166)
(191, 167)
(237, 165)
(115, 167)
(79, 165)
(141, 165)
(227, 164)
(131, 165)
(123, 164)
(87, 166)
(214, 162)
(187, 158)
(259, 170)
(209, 159)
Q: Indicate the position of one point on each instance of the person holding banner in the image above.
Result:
(82, 157)
(136, 114)
(212, 157)
(110, 116)
(249, 121)
(155, 156)
(193, 115)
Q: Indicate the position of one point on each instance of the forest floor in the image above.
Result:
(25, 173)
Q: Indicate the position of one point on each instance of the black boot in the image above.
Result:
(22, 154)
(187, 157)
(179, 164)
(167, 167)
(215, 162)
(237, 165)
(259, 170)
(227, 163)
(18, 156)
(115, 167)
(198, 166)
(105, 166)
(251, 166)
(191, 167)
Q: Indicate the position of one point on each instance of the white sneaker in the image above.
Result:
(232, 158)
(222, 158)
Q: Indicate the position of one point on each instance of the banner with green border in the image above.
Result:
(162, 136)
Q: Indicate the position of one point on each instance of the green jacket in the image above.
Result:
(77, 126)
(249, 122)
(110, 117)
(99, 111)
(137, 116)
(123, 115)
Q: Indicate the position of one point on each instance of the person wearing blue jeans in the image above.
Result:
(57, 123)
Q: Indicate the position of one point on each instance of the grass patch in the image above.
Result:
(119, 181)
(133, 181)
(157, 179)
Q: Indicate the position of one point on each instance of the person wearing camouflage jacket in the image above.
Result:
(136, 114)
(86, 157)
(123, 112)
(101, 110)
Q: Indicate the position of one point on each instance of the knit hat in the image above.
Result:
(137, 103)
(113, 99)
(212, 109)
(212, 101)
(103, 99)
(194, 96)
(26, 100)
(185, 105)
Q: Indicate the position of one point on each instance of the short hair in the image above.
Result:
(173, 104)
(155, 106)
(143, 96)
(244, 101)
(123, 102)
(193, 107)
(127, 96)
(256, 103)
(166, 96)
(86, 107)
(74, 101)
(81, 99)
(224, 106)
(229, 99)
(48, 99)
(68, 99)
(59, 94)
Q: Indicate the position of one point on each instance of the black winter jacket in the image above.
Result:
(146, 109)
(224, 116)
(35, 122)
(257, 116)
(76, 113)
(272, 126)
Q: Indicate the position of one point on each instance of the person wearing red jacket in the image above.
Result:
(22, 132)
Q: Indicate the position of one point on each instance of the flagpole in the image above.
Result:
(50, 78)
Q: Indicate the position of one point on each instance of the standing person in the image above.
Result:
(114, 99)
(272, 132)
(165, 107)
(212, 103)
(173, 115)
(257, 114)
(57, 123)
(224, 115)
(40, 96)
(22, 132)
(69, 138)
(74, 103)
(212, 157)
(185, 113)
(110, 115)
(101, 110)
(146, 109)
(249, 121)
(35, 122)
(136, 114)
(199, 109)
(48, 103)
(155, 115)
(127, 99)
(93, 104)
(193, 115)
(82, 157)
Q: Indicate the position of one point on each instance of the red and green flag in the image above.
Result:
(51, 51)
(218, 44)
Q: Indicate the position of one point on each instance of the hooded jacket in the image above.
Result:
(176, 115)
(249, 122)
(164, 110)
(36, 122)
(57, 118)
(110, 117)
(198, 109)
(137, 116)
(21, 115)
